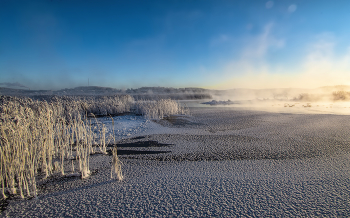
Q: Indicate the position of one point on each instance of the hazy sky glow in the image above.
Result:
(210, 44)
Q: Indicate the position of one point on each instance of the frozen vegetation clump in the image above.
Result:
(37, 138)
(334, 96)
(87, 105)
(341, 96)
(159, 109)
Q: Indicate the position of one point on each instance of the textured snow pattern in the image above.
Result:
(221, 162)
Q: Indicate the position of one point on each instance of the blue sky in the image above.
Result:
(210, 44)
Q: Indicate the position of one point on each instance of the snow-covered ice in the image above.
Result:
(219, 162)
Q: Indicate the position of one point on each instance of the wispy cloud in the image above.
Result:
(258, 46)
(223, 38)
(292, 8)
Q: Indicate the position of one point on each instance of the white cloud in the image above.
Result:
(292, 8)
(219, 40)
(249, 26)
(269, 4)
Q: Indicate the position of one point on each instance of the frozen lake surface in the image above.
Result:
(220, 161)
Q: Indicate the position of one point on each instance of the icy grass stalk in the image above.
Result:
(103, 139)
(116, 165)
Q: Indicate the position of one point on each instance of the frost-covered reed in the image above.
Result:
(96, 105)
(38, 137)
(159, 109)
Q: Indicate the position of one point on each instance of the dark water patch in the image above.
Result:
(241, 147)
(237, 155)
(138, 137)
(180, 121)
(140, 144)
(137, 152)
